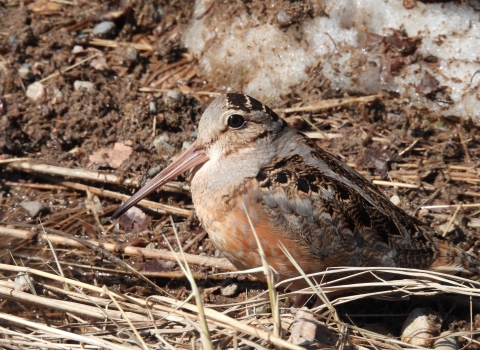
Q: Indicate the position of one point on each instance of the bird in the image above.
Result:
(251, 171)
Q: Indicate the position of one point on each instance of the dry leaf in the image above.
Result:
(112, 157)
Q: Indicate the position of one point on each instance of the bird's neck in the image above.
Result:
(225, 171)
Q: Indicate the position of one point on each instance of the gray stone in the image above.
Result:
(33, 208)
(230, 291)
(104, 28)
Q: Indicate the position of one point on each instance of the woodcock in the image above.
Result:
(324, 212)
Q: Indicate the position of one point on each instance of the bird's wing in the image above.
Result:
(345, 220)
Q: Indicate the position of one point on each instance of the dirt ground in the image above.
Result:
(136, 87)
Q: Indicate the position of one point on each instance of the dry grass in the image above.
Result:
(83, 314)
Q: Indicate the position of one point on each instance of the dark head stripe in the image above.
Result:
(248, 104)
(272, 114)
(238, 101)
(256, 105)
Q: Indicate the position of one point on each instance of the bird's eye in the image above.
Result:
(235, 121)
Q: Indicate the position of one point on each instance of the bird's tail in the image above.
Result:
(451, 259)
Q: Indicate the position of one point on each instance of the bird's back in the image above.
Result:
(345, 219)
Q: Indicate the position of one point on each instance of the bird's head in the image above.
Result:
(232, 123)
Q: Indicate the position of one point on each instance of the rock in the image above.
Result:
(421, 327)
(230, 291)
(173, 99)
(284, 19)
(152, 107)
(25, 73)
(21, 282)
(82, 38)
(77, 49)
(154, 171)
(83, 85)
(162, 146)
(186, 145)
(36, 92)
(104, 28)
(396, 200)
(306, 330)
(131, 54)
(165, 148)
(163, 137)
(33, 208)
(3, 106)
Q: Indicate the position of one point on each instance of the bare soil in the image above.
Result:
(145, 85)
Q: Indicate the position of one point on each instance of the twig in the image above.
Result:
(205, 332)
(94, 341)
(434, 194)
(314, 127)
(409, 147)
(473, 205)
(205, 93)
(84, 174)
(450, 223)
(165, 69)
(71, 241)
(161, 208)
(327, 104)
(394, 184)
(468, 159)
(61, 71)
(114, 44)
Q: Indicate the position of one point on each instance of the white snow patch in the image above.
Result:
(266, 60)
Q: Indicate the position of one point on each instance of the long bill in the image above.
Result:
(189, 159)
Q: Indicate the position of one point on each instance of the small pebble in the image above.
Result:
(154, 171)
(104, 28)
(284, 19)
(131, 54)
(173, 99)
(165, 148)
(396, 200)
(36, 92)
(57, 93)
(3, 65)
(162, 146)
(33, 208)
(230, 291)
(153, 107)
(163, 137)
(57, 96)
(25, 73)
(421, 327)
(3, 106)
(303, 329)
(77, 49)
(186, 145)
(81, 38)
(194, 134)
(21, 282)
(83, 85)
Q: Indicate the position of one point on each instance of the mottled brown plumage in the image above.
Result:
(324, 212)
